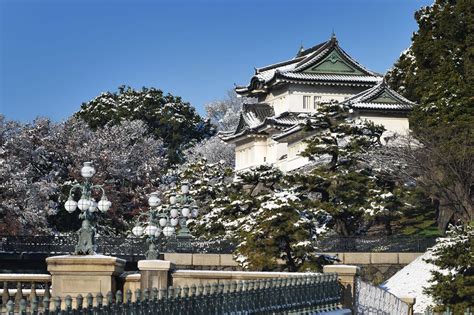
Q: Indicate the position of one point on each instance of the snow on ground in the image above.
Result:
(411, 280)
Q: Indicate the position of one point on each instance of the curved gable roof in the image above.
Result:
(324, 63)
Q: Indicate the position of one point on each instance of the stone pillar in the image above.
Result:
(75, 274)
(347, 276)
(410, 301)
(155, 274)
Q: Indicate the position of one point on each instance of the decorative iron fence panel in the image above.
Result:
(371, 300)
(375, 244)
(295, 295)
(132, 246)
(117, 246)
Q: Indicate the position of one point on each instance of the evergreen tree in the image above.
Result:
(452, 285)
(348, 189)
(437, 71)
(167, 117)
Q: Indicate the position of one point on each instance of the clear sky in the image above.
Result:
(56, 54)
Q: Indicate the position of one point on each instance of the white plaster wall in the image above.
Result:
(324, 94)
(250, 153)
(398, 125)
(294, 159)
(278, 100)
(275, 150)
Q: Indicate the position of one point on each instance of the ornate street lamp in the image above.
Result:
(163, 219)
(89, 208)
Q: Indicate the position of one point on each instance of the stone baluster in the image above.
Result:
(5, 294)
(19, 293)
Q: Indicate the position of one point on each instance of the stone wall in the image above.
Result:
(374, 267)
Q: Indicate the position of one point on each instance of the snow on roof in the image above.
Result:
(411, 280)
(381, 97)
(293, 68)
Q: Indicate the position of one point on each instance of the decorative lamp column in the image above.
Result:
(164, 219)
(89, 209)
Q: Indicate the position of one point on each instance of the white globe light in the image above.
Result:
(174, 213)
(151, 230)
(195, 212)
(137, 231)
(168, 231)
(172, 199)
(185, 188)
(154, 200)
(158, 232)
(104, 205)
(70, 205)
(93, 206)
(163, 222)
(185, 212)
(84, 204)
(87, 171)
(174, 222)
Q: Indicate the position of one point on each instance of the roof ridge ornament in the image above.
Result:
(300, 51)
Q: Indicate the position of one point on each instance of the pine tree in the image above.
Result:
(167, 117)
(349, 190)
(452, 285)
(437, 71)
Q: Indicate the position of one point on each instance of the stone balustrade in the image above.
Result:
(33, 288)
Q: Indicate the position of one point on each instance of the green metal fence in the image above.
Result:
(307, 294)
(448, 311)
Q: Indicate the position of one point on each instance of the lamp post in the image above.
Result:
(163, 219)
(89, 208)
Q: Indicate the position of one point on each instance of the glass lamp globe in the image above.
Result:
(195, 212)
(93, 206)
(104, 204)
(174, 221)
(168, 231)
(174, 212)
(84, 204)
(87, 171)
(154, 200)
(158, 232)
(151, 230)
(184, 188)
(172, 199)
(163, 222)
(70, 205)
(185, 212)
(137, 231)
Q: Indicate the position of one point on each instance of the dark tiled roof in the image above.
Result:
(293, 69)
(380, 97)
(255, 117)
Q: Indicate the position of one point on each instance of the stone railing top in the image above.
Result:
(25, 277)
(85, 260)
(133, 277)
(240, 275)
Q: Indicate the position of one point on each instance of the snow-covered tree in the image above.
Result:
(225, 113)
(452, 283)
(437, 72)
(268, 222)
(213, 150)
(349, 190)
(40, 161)
(167, 117)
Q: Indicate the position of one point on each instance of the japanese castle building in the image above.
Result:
(270, 131)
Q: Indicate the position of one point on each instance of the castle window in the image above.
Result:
(316, 102)
(306, 102)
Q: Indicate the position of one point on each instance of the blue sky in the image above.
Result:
(56, 54)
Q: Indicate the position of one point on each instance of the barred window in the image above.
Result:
(306, 102)
(316, 102)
